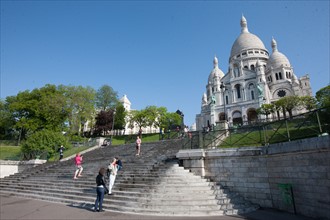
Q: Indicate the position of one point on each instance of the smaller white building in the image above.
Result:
(135, 130)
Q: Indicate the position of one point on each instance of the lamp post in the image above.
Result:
(181, 115)
(223, 89)
(113, 125)
(182, 123)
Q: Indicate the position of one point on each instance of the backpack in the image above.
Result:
(119, 165)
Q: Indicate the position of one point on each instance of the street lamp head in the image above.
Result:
(222, 86)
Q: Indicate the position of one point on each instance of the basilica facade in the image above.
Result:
(254, 77)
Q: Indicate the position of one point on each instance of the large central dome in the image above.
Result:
(246, 40)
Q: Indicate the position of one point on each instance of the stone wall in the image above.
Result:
(255, 173)
(8, 167)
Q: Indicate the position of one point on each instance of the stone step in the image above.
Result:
(170, 193)
(150, 184)
(120, 179)
(116, 198)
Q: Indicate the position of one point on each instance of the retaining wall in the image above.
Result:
(255, 173)
(8, 167)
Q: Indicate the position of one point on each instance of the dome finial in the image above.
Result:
(215, 61)
(274, 45)
(244, 25)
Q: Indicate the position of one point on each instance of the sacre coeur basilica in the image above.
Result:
(254, 77)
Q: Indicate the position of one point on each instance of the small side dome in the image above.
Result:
(277, 59)
(216, 72)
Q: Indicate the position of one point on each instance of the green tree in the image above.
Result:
(50, 107)
(323, 97)
(277, 109)
(172, 118)
(7, 121)
(138, 117)
(308, 102)
(120, 117)
(151, 115)
(289, 103)
(161, 120)
(39, 109)
(266, 109)
(80, 102)
(44, 143)
(106, 97)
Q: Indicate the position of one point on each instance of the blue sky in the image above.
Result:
(156, 52)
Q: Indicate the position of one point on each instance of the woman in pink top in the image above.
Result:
(78, 162)
(138, 145)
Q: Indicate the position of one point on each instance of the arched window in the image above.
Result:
(252, 95)
(287, 75)
(236, 71)
(276, 75)
(252, 67)
(280, 75)
(238, 90)
(226, 100)
(251, 88)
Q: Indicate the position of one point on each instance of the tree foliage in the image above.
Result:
(155, 117)
(7, 121)
(323, 96)
(289, 103)
(138, 117)
(104, 122)
(39, 109)
(120, 117)
(266, 109)
(43, 143)
(308, 102)
(106, 98)
(80, 102)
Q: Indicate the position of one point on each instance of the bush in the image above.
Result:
(43, 144)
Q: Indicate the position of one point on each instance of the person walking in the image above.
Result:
(61, 149)
(119, 164)
(138, 145)
(101, 189)
(78, 161)
(113, 173)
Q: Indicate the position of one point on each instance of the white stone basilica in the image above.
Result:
(254, 78)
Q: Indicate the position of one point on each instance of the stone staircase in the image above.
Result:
(152, 183)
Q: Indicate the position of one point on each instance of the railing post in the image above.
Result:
(265, 137)
(287, 128)
(318, 121)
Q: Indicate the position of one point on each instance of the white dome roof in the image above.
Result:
(277, 59)
(216, 72)
(246, 40)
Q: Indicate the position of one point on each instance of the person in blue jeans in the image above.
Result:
(101, 189)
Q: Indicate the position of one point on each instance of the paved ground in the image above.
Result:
(23, 208)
